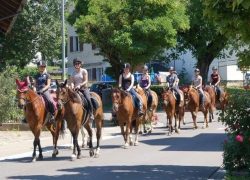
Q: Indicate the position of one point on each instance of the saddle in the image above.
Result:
(49, 105)
(177, 96)
(85, 102)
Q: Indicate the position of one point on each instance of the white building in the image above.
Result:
(87, 53)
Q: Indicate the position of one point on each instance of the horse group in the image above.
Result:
(70, 108)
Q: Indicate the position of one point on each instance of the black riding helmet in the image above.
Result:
(41, 63)
(127, 65)
(77, 60)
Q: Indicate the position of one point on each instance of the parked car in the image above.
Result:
(53, 87)
(98, 87)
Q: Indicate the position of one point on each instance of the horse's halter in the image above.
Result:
(116, 97)
(164, 95)
(23, 99)
(62, 100)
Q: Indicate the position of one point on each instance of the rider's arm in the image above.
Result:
(72, 82)
(120, 81)
(85, 76)
(132, 83)
(200, 84)
(34, 86)
(149, 82)
(46, 87)
(218, 81)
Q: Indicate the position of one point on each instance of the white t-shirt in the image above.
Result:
(78, 77)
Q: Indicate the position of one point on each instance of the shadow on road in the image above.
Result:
(129, 173)
(213, 142)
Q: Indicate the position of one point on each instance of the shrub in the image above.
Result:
(8, 106)
(237, 121)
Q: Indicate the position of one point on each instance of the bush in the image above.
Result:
(237, 121)
(27, 71)
(8, 106)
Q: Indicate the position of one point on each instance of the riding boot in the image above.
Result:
(140, 110)
(24, 120)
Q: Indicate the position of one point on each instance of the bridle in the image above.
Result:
(25, 98)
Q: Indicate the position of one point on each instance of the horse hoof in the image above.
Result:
(40, 157)
(136, 144)
(140, 132)
(145, 131)
(126, 146)
(33, 159)
(53, 155)
(91, 153)
(73, 157)
(195, 127)
(97, 155)
(83, 146)
(131, 143)
(207, 126)
(79, 156)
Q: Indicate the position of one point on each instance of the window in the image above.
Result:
(71, 43)
(74, 44)
(93, 74)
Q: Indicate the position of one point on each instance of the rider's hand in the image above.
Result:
(77, 88)
(40, 91)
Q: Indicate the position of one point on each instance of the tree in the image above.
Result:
(232, 19)
(37, 28)
(202, 39)
(127, 30)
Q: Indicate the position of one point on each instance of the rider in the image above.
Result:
(215, 80)
(42, 82)
(79, 81)
(197, 82)
(172, 83)
(145, 83)
(126, 82)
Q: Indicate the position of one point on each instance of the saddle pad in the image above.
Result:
(46, 102)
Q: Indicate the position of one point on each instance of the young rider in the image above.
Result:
(215, 81)
(197, 83)
(172, 83)
(42, 82)
(145, 83)
(126, 82)
(79, 81)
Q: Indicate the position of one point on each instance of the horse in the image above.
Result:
(216, 101)
(75, 115)
(151, 115)
(127, 114)
(212, 95)
(192, 101)
(36, 115)
(173, 110)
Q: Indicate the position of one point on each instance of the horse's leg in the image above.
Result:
(194, 116)
(90, 133)
(136, 133)
(40, 149)
(170, 126)
(99, 124)
(34, 150)
(205, 124)
(83, 137)
(127, 133)
(55, 134)
(76, 146)
(177, 123)
(123, 132)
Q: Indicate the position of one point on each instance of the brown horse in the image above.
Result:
(151, 116)
(127, 114)
(216, 101)
(192, 101)
(173, 110)
(36, 115)
(74, 115)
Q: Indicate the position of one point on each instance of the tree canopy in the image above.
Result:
(232, 19)
(37, 29)
(127, 30)
(203, 39)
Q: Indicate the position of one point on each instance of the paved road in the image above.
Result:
(192, 154)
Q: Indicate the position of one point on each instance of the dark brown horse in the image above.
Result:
(173, 110)
(127, 114)
(36, 115)
(192, 101)
(74, 115)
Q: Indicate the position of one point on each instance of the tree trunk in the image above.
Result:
(203, 64)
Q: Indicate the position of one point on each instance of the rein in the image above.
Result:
(28, 102)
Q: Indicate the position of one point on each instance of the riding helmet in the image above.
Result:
(145, 67)
(171, 68)
(126, 65)
(42, 63)
(196, 70)
(76, 60)
(214, 68)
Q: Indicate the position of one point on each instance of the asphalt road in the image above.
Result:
(192, 154)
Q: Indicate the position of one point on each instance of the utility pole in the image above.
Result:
(63, 44)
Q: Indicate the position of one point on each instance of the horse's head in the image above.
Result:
(22, 89)
(117, 98)
(186, 94)
(167, 96)
(62, 92)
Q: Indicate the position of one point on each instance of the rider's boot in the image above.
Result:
(140, 110)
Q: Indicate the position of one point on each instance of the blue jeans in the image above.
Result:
(137, 98)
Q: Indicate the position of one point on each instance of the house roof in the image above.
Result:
(9, 9)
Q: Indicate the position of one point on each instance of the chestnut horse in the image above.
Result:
(74, 115)
(36, 115)
(192, 101)
(151, 116)
(173, 110)
(127, 114)
(216, 101)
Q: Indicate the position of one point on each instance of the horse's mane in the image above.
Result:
(123, 93)
(74, 96)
